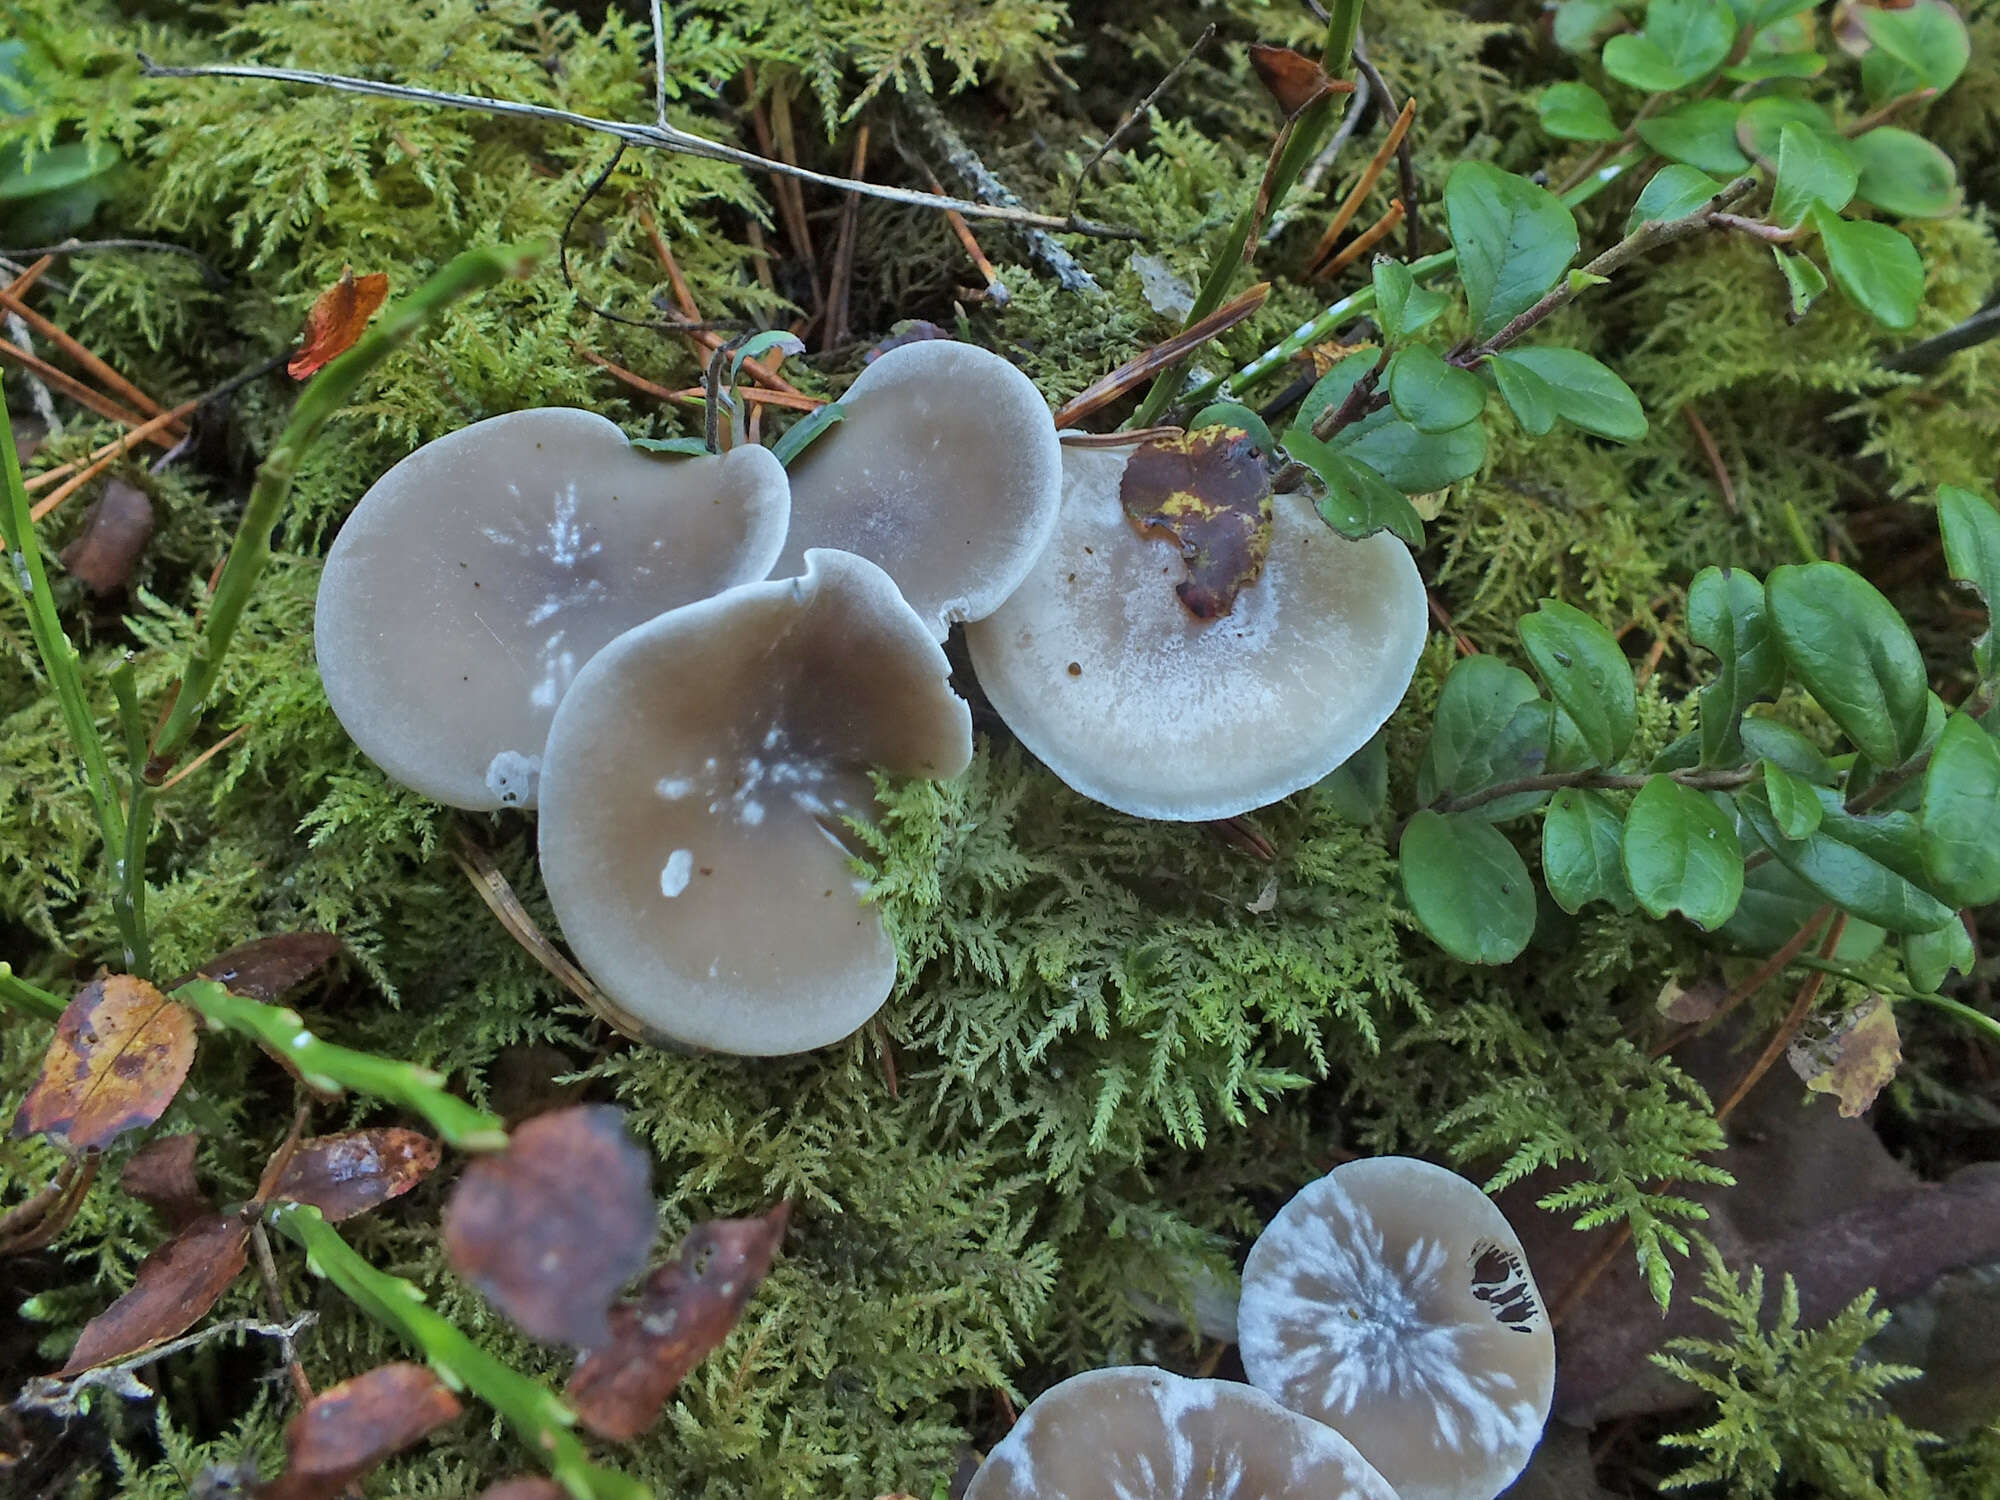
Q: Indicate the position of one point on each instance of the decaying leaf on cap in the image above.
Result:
(349, 1173)
(175, 1286)
(264, 968)
(161, 1174)
(348, 1429)
(1211, 492)
(552, 1228)
(685, 1309)
(1855, 1061)
(338, 318)
(119, 1055)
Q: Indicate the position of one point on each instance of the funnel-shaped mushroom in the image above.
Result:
(479, 574)
(1390, 1299)
(692, 794)
(1135, 1433)
(1102, 671)
(944, 471)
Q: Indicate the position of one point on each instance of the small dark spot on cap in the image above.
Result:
(1090, 552)
(1076, 669)
(708, 869)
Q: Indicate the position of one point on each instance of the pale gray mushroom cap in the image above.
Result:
(477, 576)
(945, 472)
(1135, 1433)
(1391, 1300)
(692, 794)
(1101, 671)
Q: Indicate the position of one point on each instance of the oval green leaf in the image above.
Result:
(1468, 886)
(1875, 265)
(1961, 814)
(1588, 393)
(1527, 395)
(1815, 170)
(1971, 528)
(1853, 652)
(1514, 241)
(1586, 673)
(1429, 394)
(1576, 112)
(1701, 134)
(1905, 175)
(1681, 854)
(1794, 807)
(1582, 843)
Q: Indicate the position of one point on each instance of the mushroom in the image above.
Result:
(477, 576)
(692, 795)
(1390, 1299)
(1101, 669)
(944, 470)
(1144, 1434)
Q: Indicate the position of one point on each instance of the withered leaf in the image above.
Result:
(175, 1286)
(349, 1173)
(114, 534)
(1855, 1061)
(338, 317)
(1690, 1004)
(1211, 493)
(683, 1311)
(119, 1055)
(1295, 80)
(264, 968)
(161, 1173)
(552, 1227)
(348, 1429)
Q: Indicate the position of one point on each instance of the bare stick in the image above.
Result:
(1132, 114)
(659, 66)
(1406, 166)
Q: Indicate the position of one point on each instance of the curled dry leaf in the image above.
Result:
(684, 1310)
(1210, 492)
(114, 534)
(175, 1286)
(551, 1228)
(1690, 1005)
(1855, 1061)
(338, 318)
(264, 968)
(349, 1173)
(348, 1429)
(120, 1052)
(161, 1173)
(1295, 80)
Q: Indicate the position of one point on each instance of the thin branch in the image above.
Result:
(1126, 121)
(659, 65)
(1926, 355)
(1406, 166)
(215, 279)
(58, 1397)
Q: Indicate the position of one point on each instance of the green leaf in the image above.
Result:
(1358, 788)
(1672, 193)
(1929, 957)
(1233, 414)
(1586, 673)
(54, 170)
(1726, 616)
(1776, 904)
(1961, 815)
(1756, 15)
(1681, 854)
(1971, 529)
(1815, 170)
(1794, 807)
(1767, 739)
(1414, 462)
(1804, 281)
(1701, 134)
(1588, 393)
(1480, 695)
(1468, 887)
(1682, 43)
(1875, 265)
(803, 433)
(1576, 112)
(1853, 862)
(1760, 66)
(1579, 23)
(1763, 120)
(674, 447)
(1853, 652)
(1431, 395)
(1927, 39)
(1582, 858)
(1527, 395)
(1358, 501)
(761, 343)
(1904, 174)
(1514, 241)
(1401, 306)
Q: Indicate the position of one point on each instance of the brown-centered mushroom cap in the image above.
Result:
(692, 793)
(1103, 673)
(1390, 1299)
(945, 472)
(1135, 1433)
(477, 576)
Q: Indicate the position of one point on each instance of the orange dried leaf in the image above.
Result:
(161, 1173)
(1209, 491)
(119, 1055)
(348, 1429)
(338, 317)
(175, 1286)
(684, 1310)
(1295, 80)
(552, 1228)
(349, 1173)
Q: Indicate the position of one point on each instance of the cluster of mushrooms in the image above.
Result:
(1397, 1349)
(532, 613)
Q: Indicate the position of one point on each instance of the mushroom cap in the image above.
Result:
(945, 472)
(1135, 1433)
(1099, 669)
(478, 575)
(692, 793)
(1391, 1299)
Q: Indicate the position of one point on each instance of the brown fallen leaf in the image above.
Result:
(349, 1429)
(175, 1286)
(114, 534)
(264, 968)
(1295, 80)
(39, 1221)
(349, 1173)
(1211, 493)
(119, 1055)
(1855, 1061)
(551, 1228)
(161, 1173)
(338, 318)
(1690, 1004)
(684, 1310)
